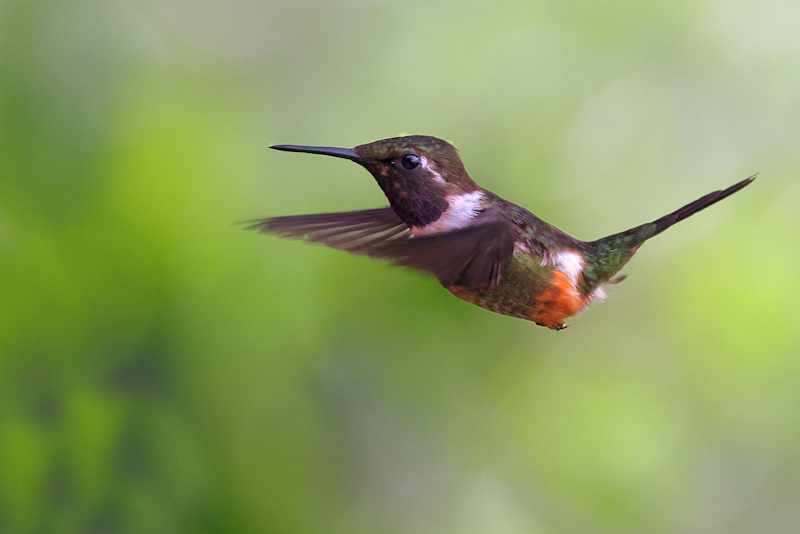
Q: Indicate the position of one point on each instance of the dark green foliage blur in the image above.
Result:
(161, 370)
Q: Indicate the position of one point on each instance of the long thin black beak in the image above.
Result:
(346, 153)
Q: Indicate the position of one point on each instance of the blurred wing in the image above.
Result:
(474, 255)
(354, 231)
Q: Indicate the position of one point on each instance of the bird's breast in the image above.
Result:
(460, 212)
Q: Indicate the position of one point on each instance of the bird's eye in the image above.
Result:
(410, 162)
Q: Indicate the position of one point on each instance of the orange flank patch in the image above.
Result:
(560, 300)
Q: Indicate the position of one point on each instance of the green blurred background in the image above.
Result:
(162, 370)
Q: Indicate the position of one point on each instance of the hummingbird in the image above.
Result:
(481, 247)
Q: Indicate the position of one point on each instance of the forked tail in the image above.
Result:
(610, 254)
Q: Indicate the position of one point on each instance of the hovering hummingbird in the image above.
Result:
(481, 247)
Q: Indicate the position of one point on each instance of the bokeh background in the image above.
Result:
(162, 370)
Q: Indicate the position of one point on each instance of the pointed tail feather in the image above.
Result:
(638, 235)
(610, 254)
(700, 204)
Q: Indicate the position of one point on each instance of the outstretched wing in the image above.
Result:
(354, 231)
(474, 255)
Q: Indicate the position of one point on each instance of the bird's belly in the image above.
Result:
(531, 291)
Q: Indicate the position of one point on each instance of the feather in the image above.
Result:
(475, 255)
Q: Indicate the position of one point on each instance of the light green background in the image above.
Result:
(162, 370)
